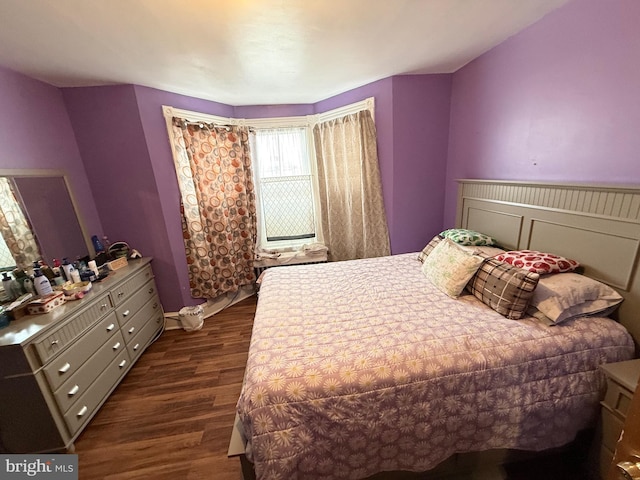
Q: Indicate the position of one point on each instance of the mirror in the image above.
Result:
(47, 203)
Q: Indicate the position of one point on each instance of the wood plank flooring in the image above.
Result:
(172, 415)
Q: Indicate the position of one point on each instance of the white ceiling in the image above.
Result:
(252, 52)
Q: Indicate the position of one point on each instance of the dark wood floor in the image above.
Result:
(171, 417)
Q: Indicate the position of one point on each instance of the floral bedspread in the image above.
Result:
(362, 366)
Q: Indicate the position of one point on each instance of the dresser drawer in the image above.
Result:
(121, 293)
(80, 381)
(61, 368)
(89, 402)
(138, 343)
(135, 324)
(58, 340)
(129, 308)
(611, 428)
(617, 398)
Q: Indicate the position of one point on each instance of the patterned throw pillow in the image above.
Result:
(429, 248)
(538, 262)
(449, 268)
(467, 237)
(506, 289)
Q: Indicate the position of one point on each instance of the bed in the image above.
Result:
(362, 367)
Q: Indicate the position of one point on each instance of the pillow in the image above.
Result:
(506, 289)
(429, 248)
(538, 262)
(483, 250)
(467, 237)
(569, 295)
(449, 268)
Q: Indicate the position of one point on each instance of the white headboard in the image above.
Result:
(597, 225)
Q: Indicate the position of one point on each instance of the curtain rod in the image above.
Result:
(219, 125)
(201, 123)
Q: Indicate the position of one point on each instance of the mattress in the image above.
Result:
(362, 366)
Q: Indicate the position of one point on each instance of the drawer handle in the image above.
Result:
(110, 327)
(135, 347)
(103, 306)
(82, 411)
(55, 342)
(125, 313)
(73, 391)
(122, 363)
(65, 368)
(155, 305)
(150, 290)
(120, 294)
(132, 329)
(116, 346)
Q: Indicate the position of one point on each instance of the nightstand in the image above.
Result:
(622, 378)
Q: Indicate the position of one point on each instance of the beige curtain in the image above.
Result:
(218, 206)
(353, 218)
(15, 228)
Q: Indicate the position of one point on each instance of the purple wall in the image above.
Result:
(272, 111)
(557, 102)
(420, 138)
(35, 133)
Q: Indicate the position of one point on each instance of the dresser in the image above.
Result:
(622, 379)
(57, 369)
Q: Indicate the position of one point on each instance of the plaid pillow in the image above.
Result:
(503, 287)
(429, 248)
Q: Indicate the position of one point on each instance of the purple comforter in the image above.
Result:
(362, 366)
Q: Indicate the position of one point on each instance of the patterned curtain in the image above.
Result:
(217, 205)
(15, 228)
(353, 218)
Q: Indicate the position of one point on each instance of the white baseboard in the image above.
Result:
(171, 323)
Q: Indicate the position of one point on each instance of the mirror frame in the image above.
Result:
(17, 172)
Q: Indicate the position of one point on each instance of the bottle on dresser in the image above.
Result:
(41, 283)
(67, 268)
(7, 285)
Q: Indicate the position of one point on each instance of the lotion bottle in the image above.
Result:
(6, 284)
(41, 283)
(67, 268)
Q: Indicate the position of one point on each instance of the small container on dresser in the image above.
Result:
(57, 369)
(622, 379)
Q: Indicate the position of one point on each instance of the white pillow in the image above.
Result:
(563, 296)
(449, 267)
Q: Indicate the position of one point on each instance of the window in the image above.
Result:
(284, 169)
(285, 186)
